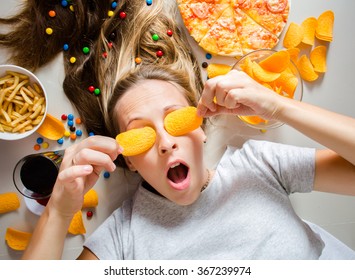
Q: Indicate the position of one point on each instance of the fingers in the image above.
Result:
(98, 159)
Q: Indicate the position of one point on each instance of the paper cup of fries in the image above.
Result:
(23, 102)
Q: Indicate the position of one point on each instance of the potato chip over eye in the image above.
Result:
(182, 121)
(136, 141)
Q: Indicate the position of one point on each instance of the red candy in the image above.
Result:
(160, 53)
(169, 32)
(89, 214)
(123, 15)
(64, 117)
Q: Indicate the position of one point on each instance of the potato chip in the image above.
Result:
(252, 119)
(91, 199)
(294, 53)
(182, 121)
(136, 141)
(9, 202)
(318, 59)
(262, 74)
(324, 30)
(309, 28)
(277, 62)
(247, 67)
(77, 225)
(51, 128)
(17, 240)
(287, 82)
(306, 69)
(294, 36)
(216, 69)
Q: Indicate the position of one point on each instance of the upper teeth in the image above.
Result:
(174, 165)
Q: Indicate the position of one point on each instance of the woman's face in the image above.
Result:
(174, 165)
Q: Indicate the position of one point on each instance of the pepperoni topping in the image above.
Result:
(276, 6)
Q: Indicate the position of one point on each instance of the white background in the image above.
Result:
(333, 91)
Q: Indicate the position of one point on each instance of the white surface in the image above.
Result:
(333, 91)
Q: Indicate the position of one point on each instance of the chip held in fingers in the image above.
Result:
(182, 121)
(136, 141)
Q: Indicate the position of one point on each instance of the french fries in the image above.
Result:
(22, 104)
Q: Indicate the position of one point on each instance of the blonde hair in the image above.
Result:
(114, 42)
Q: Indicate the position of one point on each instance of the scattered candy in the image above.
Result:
(110, 13)
(70, 123)
(91, 133)
(78, 120)
(138, 60)
(208, 56)
(72, 59)
(64, 117)
(159, 53)
(36, 147)
(97, 91)
(39, 140)
(66, 133)
(72, 128)
(71, 8)
(91, 88)
(114, 5)
(107, 174)
(49, 31)
(70, 117)
(60, 141)
(104, 54)
(86, 50)
(155, 37)
(204, 65)
(123, 15)
(169, 32)
(73, 136)
(79, 133)
(149, 2)
(89, 214)
(52, 13)
(45, 145)
(65, 47)
(64, 3)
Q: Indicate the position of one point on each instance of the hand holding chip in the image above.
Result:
(79, 171)
(238, 94)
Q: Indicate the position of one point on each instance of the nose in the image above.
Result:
(167, 143)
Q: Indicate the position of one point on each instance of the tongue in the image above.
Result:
(177, 174)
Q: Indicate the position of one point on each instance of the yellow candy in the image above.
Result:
(182, 121)
(136, 141)
(9, 202)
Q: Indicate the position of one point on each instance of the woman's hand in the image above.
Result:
(79, 171)
(236, 93)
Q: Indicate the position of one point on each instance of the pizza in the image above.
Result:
(234, 27)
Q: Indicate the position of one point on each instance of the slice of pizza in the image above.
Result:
(222, 38)
(206, 1)
(271, 14)
(200, 16)
(252, 36)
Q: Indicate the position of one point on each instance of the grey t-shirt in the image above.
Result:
(244, 213)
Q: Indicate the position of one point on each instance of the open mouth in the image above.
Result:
(177, 175)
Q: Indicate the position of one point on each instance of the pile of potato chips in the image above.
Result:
(322, 28)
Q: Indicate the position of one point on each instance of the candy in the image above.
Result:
(49, 31)
(89, 214)
(136, 141)
(138, 60)
(86, 50)
(72, 59)
(52, 13)
(169, 32)
(9, 202)
(16, 239)
(155, 37)
(182, 121)
(159, 53)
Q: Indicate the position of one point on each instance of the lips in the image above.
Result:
(178, 176)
